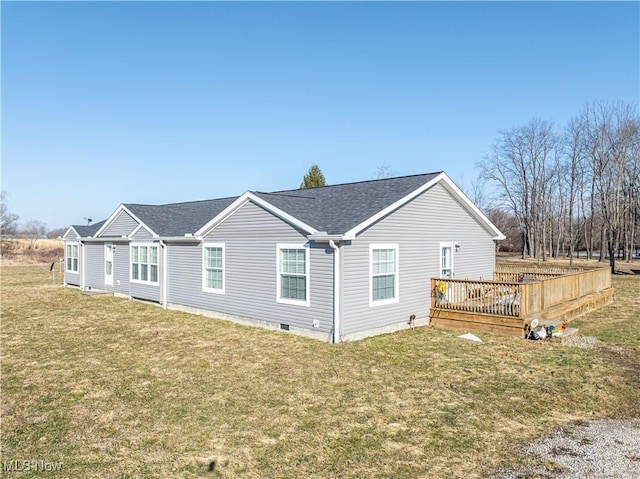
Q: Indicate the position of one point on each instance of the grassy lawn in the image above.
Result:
(115, 388)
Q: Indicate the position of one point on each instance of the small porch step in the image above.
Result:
(95, 293)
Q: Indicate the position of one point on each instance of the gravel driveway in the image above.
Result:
(607, 448)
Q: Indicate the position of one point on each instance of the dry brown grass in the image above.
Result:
(17, 251)
(116, 388)
(622, 266)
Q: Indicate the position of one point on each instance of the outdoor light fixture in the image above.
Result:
(457, 246)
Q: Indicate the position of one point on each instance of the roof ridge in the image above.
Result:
(364, 181)
(277, 193)
(199, 201)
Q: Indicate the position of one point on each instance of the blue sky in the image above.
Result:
(158, 102)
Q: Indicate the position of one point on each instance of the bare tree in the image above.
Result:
(573, 177)
(385, 171)
(34, 230)
(8, 221)
(519, 164)
(611, 136)
(631, 193)
(56, 232)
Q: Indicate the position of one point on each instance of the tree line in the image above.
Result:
(568, 188)
(33, 230)
(560, 190)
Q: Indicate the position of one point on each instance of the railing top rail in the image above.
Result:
(481, 281)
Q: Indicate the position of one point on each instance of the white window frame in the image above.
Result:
(205, 288)
(108, 278)
(396, 282)
(76, 257)
(279, 298)
(449, 245)
(148, 280)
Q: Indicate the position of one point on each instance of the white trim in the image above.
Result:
(82, 262)
(205, 288)
(114, 216)
(305, 247)
(241, 201)
(109, 246)
(446, 244)
(66, 257)
(142, 281)
(112, 239)
(163, 277)
(337, 285)
(69, 229)
(396, 279)
(180, 239)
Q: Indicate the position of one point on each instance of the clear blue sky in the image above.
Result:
(127, 102)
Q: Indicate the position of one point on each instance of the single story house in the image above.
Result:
(338, 262)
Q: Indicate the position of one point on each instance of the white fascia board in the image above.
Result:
(113, 217)
(474, 210)
(180, 239)
(324, 237)
(246, 197)
(106, 239)
(351, 234)
(69, 230)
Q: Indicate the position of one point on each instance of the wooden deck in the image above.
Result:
(517, 295)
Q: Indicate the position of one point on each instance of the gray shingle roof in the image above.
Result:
(88, 230)
(338, 208)
(335, 209)
(176, 219)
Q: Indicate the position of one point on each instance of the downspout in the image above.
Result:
(336, 291)
(81, 251)
(163, 245)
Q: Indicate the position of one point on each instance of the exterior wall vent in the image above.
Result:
(284, 327)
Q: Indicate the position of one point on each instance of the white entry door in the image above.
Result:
(108, 264)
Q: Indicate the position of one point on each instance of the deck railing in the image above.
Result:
(490, 297)
(511, 272)
(517, 293)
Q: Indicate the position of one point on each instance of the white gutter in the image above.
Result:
(181, 239)
(336, 291)
(107, 239)
(163, 245)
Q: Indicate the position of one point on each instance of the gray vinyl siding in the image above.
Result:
(94, 265)
(95, 268)
(120, 268)
(122, 225)
(72, 236)
(418, 228)
(250, 237)
(142, 235)
(141, 290)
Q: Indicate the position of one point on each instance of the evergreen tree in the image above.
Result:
(313, 178)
